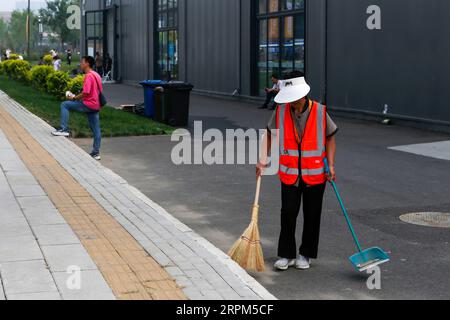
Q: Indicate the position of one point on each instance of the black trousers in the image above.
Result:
(312, 213)
(269, 97)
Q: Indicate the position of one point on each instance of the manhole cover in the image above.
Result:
(428, 219)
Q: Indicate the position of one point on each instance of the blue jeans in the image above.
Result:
(93, 117)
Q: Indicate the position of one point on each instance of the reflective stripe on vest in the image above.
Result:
(314, 172)
(289, 171)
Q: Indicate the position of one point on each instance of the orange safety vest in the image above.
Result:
(312, 146)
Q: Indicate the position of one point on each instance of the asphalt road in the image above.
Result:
(378, 185)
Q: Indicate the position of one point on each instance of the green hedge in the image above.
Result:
(43, 78)
(75, 85)
(16, 69)
(39, 76)
(14, 56)
(57, 84)
(48, 59)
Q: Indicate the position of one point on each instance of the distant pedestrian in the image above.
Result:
(99, 63)
(271, 93)
(69, 56)
(57, 63)
(87, 102)
(108, 63)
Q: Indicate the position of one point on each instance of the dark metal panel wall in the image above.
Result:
(316, 47)
(404, 65)
(135, 39)
(92, 4)
(213, 44)
(247, 23)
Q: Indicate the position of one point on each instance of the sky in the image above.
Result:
(10, 5)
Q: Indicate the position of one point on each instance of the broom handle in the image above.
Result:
(255, 210)
(258, 190)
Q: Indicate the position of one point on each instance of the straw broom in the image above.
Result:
(247, 251)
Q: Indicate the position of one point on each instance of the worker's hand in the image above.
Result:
(332, 175)
(260, 169)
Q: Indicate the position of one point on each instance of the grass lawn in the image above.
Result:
(114, 123)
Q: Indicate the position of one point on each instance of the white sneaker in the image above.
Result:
(284, 264)
(302, 263)
(60, 133)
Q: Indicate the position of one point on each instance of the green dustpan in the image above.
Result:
(364, 259)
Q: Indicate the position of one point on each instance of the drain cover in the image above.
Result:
(428, 219)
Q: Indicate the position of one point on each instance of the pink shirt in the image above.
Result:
(91, 88)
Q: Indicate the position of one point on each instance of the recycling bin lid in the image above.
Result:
(152, 82)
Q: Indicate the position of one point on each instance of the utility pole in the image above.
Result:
(41, 34)
(28, 29)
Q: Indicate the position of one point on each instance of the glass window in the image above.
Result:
(94, 32)
(263, 51)
(262, 6)
(287, 55)
(274, 6)
(167, 61)
(281, 39)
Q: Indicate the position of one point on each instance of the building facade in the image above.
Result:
(358, 55)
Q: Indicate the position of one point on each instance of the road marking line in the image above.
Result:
(436, 150)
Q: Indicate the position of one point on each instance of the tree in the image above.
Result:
(17, 34)
(55, 17)
(3, 34)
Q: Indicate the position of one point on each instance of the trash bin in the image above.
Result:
(149, 98)
(172, 103)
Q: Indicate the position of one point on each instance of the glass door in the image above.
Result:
(95, 33)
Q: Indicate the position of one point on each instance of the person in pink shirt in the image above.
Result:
(87, 102)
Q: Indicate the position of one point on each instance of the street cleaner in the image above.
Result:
(306, 138)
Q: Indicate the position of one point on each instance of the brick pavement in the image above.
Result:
(141, 250)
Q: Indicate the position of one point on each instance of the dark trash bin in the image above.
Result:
(172, 103)
(149, 98)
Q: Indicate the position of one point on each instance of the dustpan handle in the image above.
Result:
(344, 210)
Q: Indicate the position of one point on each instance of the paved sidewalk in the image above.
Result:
(132, 241)
(36, 244)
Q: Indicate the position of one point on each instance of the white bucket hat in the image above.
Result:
(292, 90)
